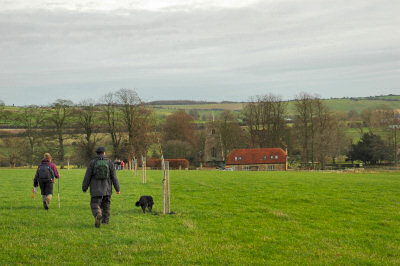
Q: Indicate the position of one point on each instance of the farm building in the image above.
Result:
(265, 159)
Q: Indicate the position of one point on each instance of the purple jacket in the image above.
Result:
(52, 166)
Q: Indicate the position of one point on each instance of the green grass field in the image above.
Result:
(221, 217)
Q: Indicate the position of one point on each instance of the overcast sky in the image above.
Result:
(197, 50)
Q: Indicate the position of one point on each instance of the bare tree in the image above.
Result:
(180, 126)
(265, 118)
(32, 118)
(367, 116)
(174, 149)
(112, 117)
(138, 121)
(305, 125)
(179, 129)
(317, 130)
(339, 141)
(195, 114)
(388, 120)
(231, 134)
(59, 117)
(145, 125)
(13, 150)
(329, 138)
(86, 118)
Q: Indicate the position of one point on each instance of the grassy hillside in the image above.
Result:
(358, 105)
(237, 218)
(342, 105)
(212, 106)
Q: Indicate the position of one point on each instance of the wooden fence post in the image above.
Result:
(144, 173)
(166, 191)
(136, 166)
(163, 182)
(145, 170)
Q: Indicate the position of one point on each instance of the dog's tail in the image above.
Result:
(137, 203)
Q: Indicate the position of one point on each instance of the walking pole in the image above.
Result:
(58, 190)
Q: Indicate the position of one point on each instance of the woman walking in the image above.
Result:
(44, 177)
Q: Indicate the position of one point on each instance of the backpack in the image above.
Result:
(45, 173)
(101, 169)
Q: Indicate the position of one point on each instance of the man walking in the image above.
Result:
(100, 176)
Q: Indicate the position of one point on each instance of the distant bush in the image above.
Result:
(173, 163)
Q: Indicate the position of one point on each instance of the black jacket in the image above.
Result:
(100, 187)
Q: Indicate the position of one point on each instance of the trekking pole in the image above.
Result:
(58, 190)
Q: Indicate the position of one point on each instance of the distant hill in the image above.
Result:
(390, 97)
(184, 102)
(344, 104)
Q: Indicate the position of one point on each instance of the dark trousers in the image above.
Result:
(46, 188)
(101, 205)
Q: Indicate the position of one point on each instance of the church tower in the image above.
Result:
(213, 153)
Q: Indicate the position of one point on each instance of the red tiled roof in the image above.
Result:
(256, 156)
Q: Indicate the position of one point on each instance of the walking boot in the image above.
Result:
(97, 220)
(48, 198)
(45, 204)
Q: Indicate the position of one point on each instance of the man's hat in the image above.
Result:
(100, 149)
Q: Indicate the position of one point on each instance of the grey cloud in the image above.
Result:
(334, 48)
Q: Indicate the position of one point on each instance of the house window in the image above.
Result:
(276, 157)
(240, 158)
(265, 157)
(214, 152)
(212, 131)
(272, 157)
(271, 167)
(235, 158)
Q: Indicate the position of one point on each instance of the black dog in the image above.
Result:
(145, 202)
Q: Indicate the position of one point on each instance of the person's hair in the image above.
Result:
(47, 156)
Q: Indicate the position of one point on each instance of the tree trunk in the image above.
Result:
(61, 148)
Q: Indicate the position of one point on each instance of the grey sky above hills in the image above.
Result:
(197, 50)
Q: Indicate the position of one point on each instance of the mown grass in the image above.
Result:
(220, 218)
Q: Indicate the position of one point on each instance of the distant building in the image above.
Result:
(213, 154)
(265, 159)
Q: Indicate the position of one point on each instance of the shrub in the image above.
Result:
(173, 163)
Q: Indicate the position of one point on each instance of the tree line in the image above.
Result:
(314, 136)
